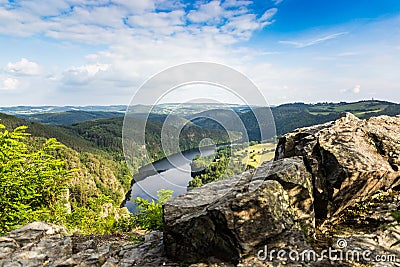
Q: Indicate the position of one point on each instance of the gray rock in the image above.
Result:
(318, 173)
(41, 244)
(7, 246)
(32, 232)
(292, 174)
(349, 159)
(229, 228)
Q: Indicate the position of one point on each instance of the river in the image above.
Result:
(172, 172)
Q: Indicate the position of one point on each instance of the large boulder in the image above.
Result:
(292, 175)
(232, 219)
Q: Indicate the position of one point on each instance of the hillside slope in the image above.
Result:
(69, 117)
(94, 148)
(97, 171)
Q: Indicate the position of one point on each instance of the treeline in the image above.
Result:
(107, 134)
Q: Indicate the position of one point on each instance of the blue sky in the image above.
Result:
(75, 52)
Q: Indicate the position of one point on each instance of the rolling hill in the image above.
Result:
(289, 117)
(69, 117)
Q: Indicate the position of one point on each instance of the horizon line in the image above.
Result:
(201, 103)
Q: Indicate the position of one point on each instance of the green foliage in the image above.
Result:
(149, 216)
(34, 178)
(226, 162)
(65, 136)
(99, 170)
(30, 182)
(216, 167)
(98, 216)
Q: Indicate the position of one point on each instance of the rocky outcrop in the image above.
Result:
(234, 218)
(41, 244)
(318, 175)
(231, 226)
(349, 159)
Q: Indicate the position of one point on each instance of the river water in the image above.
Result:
(172, 172)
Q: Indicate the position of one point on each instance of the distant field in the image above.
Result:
(256, 154)
(358, 108)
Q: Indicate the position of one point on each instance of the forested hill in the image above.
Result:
(289, 117)
(70, 116)
(91, 127)
(92, 155)
(97, 171)
(96, 147)
(62, 134)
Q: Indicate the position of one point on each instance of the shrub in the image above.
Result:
(99, 217)
(149, 216)
(31, 182)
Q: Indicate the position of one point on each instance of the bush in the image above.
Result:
(149, 216)
(99, 217)
(31, 182)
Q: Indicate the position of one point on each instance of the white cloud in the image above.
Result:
(83, 75)
(169, 4)
(277, 2)
(301, 44)
(135, 6)
(119, 44)
(235, 3)
(211, 11)
(158, 20)
(9, 83)
(267, 16)
(46, 8)
(104, 22)
(23, 67)
(357, 89)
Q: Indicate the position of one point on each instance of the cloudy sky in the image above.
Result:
(98, 52)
